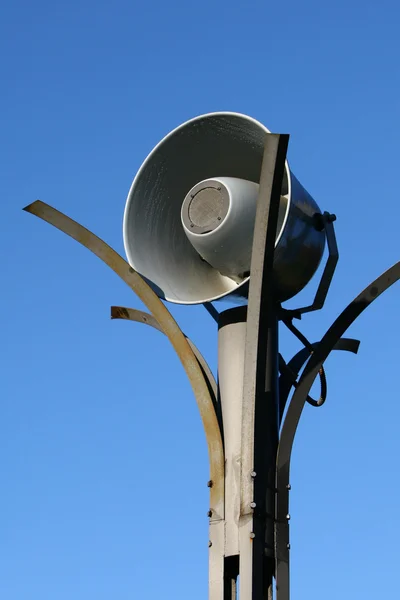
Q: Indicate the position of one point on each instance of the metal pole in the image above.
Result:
(260, 390)
(231, 348)
(231, 345)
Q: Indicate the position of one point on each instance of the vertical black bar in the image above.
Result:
(266, 428)
(266, 442)
(231, 572)
(272, 397)
(260, 398)
(229, 588)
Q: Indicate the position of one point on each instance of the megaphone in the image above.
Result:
(190, 214)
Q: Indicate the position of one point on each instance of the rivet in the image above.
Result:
(253, 504)
(209, 483)
(288, 517)
(252, 535)
(209, 514)
(210, 544)
(288, 546)
(253, 474)
(288, 487)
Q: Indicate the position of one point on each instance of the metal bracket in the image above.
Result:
(324, 221)
(210, 308)
(290, 371)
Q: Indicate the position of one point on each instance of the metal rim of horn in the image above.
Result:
(210, 154)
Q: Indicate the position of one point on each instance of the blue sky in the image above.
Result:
(102, 454)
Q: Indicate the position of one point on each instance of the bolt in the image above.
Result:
(191, 225)
(252, 535)
(219, 188)
(253, 474)
(288, 517)
(209, 514)
(331, 218)
(288, 546)
(253, 504)
(210, 483)
(210, 544)
(288, 487)
(219, 218)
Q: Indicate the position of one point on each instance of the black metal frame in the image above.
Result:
(271, 433)
(262, 334)
(324, 221)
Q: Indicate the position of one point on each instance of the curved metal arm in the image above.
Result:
(171, 329)
(326, 345)
(290, 371)
(139, 316)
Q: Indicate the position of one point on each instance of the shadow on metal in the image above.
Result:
(163, 317)
(322, 351)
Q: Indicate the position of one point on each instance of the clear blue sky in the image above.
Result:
(103, 458)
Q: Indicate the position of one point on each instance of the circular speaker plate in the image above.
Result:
(205, 206)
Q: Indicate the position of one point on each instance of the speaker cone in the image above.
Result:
(162, 218)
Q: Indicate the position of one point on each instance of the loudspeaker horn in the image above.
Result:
(190, 213)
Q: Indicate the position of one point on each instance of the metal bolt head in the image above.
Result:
(209, 483)
(209, 514)
(288, 546)
(252, 535)
(288, 487)
(288, 517)
(253, 474)
(253, 504)
(210, 544)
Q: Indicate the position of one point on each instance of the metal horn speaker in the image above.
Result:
(190, 213)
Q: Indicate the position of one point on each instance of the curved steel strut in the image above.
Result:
(290, 371)
(171, 329)
(288, 431)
